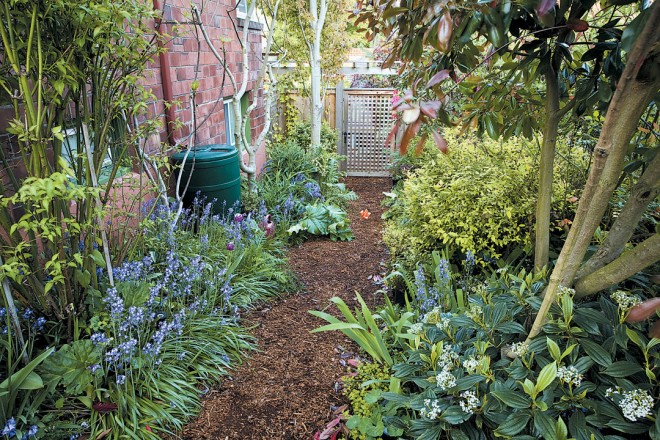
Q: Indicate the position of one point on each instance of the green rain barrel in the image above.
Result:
(216, 174)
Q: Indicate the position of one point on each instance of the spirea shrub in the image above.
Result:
(480, 196)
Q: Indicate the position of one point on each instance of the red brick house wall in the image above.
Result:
(189, 62)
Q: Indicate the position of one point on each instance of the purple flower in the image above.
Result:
(230, 246)
(10, 428)
(39, 323)
(238, 218)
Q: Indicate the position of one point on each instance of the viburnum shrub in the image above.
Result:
(467, 375)
(480, 196)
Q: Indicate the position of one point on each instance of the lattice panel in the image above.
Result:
(367, 123)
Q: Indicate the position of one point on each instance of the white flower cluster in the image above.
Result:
(471, 364)
(563, 290)
(432, 316)
(519, 348)
(569, 375)
(625, 300)
(475, 312)
(448, 359)
(431, 409)
(416, 329)
(634, 404)
(470, 402)
(445, 379)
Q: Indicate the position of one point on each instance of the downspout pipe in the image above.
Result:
(165, 75)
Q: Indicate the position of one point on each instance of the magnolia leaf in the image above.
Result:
(411, 115)
(445, 29)
(440, 142)
(408, 135)
(421, 143)
(437, 78)
(430, 108)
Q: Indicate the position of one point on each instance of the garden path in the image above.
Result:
(287, 389)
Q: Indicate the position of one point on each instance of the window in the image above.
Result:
(229, 122)
(230, 119)
(72, 151)
(242, 8)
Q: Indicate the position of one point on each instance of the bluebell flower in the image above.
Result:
(10, 428)
(32, 432)
(94, 368)
(443, 271)
(99, 339)
(28, 313)
(3, 312)
(114, 303)
(121, 379)
(469, 259)
(313, 190)
(39, 324)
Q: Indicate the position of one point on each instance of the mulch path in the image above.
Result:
(287, 389)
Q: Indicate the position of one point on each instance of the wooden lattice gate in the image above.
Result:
(365, 123)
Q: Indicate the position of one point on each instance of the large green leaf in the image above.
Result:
(513, 399)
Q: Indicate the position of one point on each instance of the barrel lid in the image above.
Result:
(206, 153)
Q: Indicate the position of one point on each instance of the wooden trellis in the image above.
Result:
(365, 123)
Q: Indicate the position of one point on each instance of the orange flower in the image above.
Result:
(364, 214)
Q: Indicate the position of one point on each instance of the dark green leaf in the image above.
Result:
(513, 399)
(596, 352)
(515, 423)
(623, 369)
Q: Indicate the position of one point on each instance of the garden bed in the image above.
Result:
(287, 389)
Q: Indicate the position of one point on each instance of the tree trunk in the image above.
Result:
(635, 89)
(318, 21)
(644, 192)
(627, 265)
(546, 166)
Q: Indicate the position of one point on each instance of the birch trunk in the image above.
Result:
(318, 12)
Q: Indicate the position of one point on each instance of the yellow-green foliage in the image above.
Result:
(356, 393)
(480, 196)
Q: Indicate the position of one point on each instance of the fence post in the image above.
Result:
(339, 123)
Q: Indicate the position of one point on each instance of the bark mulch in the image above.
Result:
(287, 389)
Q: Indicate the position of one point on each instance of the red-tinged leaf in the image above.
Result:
(644, 310)
(409, 134)
(330, 429)
(440, 142)
(430, 108)
(577, 25)
(437, 78)
(445, 29)
(545, 6)
(389, 61)
(420, 144)
(401, 106)
(353, 362)
(335, 435)
(391, 135)
(410, 115)
(104, 407)
(407, 95)
(655, 330)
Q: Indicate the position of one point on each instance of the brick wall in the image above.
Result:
(190, 61)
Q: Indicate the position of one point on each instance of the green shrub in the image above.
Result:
(302, 191)
(481, 196)
(588, 375)
(302, 135)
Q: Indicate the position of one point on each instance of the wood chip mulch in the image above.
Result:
(287, 389)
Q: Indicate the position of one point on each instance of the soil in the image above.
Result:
(288, 390)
